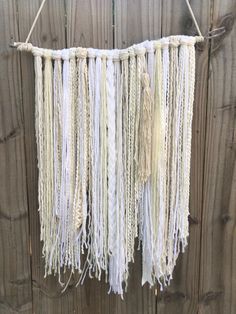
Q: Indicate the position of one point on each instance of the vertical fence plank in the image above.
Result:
(182, 295)
(136, 20)
(89, 23)
(49, 32)
(218, 251)
(15, 273)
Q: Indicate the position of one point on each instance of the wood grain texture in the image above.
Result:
(182, 295)
(15, 273)
(218, 241)
(135, 21)
(89, 23)
(204, 279)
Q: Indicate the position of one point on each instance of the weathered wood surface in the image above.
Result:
(217, 285)
(15, 272)
(205, 276)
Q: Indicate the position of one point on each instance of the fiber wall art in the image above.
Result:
(113, 131)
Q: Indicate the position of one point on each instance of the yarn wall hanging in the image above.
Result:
(113, 132)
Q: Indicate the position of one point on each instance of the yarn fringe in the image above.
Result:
(113, 133)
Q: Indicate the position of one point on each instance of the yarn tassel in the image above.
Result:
(145, 130)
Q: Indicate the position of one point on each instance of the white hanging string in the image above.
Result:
(35, 21)
(15, 44)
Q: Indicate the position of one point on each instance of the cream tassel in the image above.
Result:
(145, 131)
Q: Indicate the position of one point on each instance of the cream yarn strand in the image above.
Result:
(40, 138)
(122, 265)
(48, 161)
(39, 117)
(93, 225)
(104, 172)
(84, 134)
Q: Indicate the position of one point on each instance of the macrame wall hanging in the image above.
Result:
(113, 131)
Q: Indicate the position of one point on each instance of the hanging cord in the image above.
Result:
(16, 44)
(35, 21)
(215, 33)
(193, 17)
(43, 2)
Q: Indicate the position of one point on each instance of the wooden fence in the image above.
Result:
(205, 277)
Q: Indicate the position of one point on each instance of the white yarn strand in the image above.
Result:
(111, 125)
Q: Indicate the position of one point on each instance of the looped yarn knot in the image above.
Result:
(199, 39)
(91, 53)
(164, 42)
(124, 55)
(72, 52)
(38, 52)
(157, 45)
(65, 54)
(56, 54)
(131, 53)
(47, 54)
(139, 51)
(110, 55)
(149, 46)
(101, 54)
(116, 56)
(25, 47)
(174, 43)
(81, 53)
